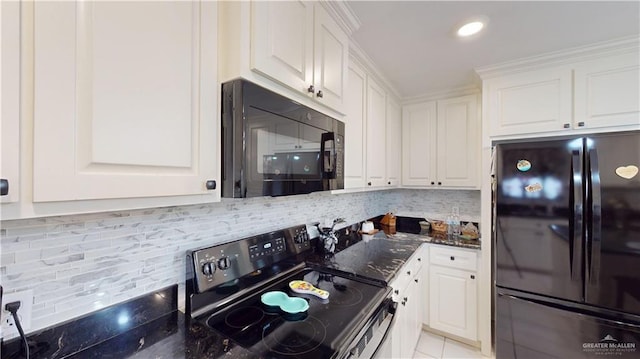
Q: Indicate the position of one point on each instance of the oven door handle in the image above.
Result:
(393, 308)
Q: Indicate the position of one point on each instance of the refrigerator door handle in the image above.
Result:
(596, 216)
(575, 245)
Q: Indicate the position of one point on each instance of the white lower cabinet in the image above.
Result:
(407, 293)
(453, 291)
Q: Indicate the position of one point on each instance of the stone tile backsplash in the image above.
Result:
(436, 203)
(78, 264)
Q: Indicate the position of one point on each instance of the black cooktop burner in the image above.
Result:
(243, 317)
(306, 337)
(320, 332)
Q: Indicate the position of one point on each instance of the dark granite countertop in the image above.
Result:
(441, 239)
(171, 335)
(379, 257)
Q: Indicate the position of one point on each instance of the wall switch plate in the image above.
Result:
(9, 329)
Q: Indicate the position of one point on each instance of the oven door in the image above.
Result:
(374, 340)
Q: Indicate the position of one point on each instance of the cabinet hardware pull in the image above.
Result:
(439, 183)
(396, 291)
(416, 280)
(408, 272)
(404, 303)
(406, 299)
(566, 125)
(388, 182)
(419, 259)
(580, 124)
(311, 89)
(210, 184)
(320, 94)
(4, 187)
(432, 183)
(368, 183)
(473, 276)
(453, 258)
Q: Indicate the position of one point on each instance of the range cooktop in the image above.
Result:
(320, 332)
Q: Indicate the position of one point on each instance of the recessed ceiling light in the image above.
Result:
(470, 28)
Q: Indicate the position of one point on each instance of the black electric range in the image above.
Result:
(225, 284)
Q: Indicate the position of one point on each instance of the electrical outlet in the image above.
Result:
(9, 329)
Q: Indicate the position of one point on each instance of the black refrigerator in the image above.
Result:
(567, 247)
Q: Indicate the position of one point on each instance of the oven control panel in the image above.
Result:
(266, 248)
(298, 239)
(226, 262)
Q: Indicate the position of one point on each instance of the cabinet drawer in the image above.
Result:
(454, 258)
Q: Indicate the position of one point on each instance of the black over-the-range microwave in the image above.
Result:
(274, 146)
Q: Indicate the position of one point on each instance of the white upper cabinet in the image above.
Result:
(10, 131)
(394, 140)
(441, 143)
(331, 56)
(282, 46)
(458, 141)
(355, 155)
(536, 101)
(418, 144)
(299, 45)
(373, 132)
(591, 90)
(126, 100)
(376, 138)
(607, 92)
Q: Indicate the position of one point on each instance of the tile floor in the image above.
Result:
(434, 346)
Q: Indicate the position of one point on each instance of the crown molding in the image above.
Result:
(439, 95)
(361, 57)
(576, 54)
(343, 14)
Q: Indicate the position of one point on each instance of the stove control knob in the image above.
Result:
(223, 263)
(208, 268)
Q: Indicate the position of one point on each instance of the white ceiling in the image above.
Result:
(413, 45)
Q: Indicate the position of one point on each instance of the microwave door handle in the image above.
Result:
(327, 160)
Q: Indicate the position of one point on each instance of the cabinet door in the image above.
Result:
(418, 144)
(458, 153)
(376, 127)
(331, 54)
(125, 99)
(394, 150)
(424, 286)
(537, 101)
(355, 160)
(453, 301)
(607, 92)
(282, 41)
(414, 317)
(10, 136)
